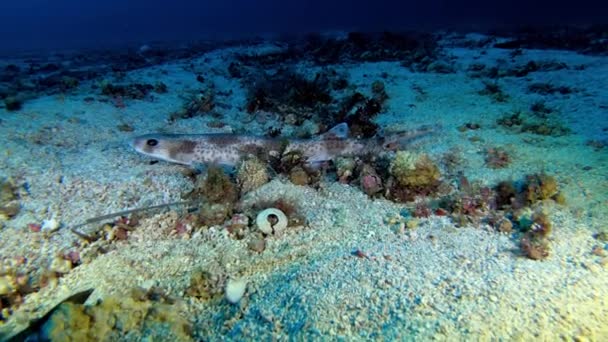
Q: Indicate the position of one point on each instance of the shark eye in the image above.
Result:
(391, 146)
(152, 142)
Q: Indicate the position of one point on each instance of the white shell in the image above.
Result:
(235, 289)
(50, 225)
(264, 225)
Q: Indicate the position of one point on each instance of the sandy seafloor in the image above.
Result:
(436, 281)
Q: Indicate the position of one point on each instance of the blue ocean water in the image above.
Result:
(303, 170)
(36, 24)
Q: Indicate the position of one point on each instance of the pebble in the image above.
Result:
(5, 286)
(235, 289)
(257, 245)
(49, 226)
(505, 226)
(61, 265)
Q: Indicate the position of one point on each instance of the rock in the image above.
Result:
(9, 211)
(12, 103)
(370, 181)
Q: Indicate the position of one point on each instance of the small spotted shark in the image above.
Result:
(197, 150)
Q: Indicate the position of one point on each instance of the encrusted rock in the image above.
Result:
(370, 181)
(237, 225)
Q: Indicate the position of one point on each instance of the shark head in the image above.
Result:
(171, 148)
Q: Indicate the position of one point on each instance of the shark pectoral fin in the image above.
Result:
(339, 131)
(315, 165)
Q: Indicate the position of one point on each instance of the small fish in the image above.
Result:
(227, 149)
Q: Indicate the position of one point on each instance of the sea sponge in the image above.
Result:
(69, 323)
(290, 160)
(344, 168)
(534, 243)
(497, 158)
(217, 187)
(251, 173)
(505, 194)
(534, 247)
(539, 187)
(211, 214)
(14, 286)
(219, 195)
(412, 175)
(542, 224)
(299, 176)
(403, 163)
(117, 318)
(415, 171)
(205, 285)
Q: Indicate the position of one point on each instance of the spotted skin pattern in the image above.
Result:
(228, 149)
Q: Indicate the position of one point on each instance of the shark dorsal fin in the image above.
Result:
(339, 131)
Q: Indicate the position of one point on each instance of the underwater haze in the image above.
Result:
(40, 24)
(303, 170)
